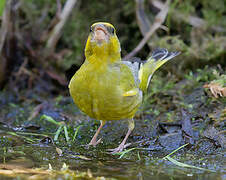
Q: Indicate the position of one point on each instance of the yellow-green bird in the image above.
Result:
(106, 88)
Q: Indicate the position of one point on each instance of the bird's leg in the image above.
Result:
(94, 141)
(131, 126)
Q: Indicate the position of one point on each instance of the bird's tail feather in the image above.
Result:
(159, 57)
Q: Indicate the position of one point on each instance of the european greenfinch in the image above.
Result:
(107, 88)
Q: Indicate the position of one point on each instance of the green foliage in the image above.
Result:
(220, 79)
(38, 16)
(167, 94)
(77, 29)
(2, 5)
(214, 12)
(61, 127)
(199, 45)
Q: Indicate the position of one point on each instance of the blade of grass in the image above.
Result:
(128, 150)
(50, 119)
(4, 155)
(66, 133)
(176, 150)
(13, 134)
(186, 165)
(58, 132)
(167, 157)
(138, 156)
(123, 153)
(76, 132)
(32, 134)
(29, 140)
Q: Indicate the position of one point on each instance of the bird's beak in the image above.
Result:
(100, 34)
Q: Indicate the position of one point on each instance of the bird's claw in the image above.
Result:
(119, 148)
(94, 143)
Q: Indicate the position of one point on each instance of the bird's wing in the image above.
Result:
(159, 57)
(143, 70)
(129, 78)
(134, 66)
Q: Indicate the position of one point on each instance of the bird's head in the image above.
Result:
(102, 41)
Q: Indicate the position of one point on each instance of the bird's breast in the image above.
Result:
(98, 93)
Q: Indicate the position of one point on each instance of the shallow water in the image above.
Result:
(28, 149)
(23, 161)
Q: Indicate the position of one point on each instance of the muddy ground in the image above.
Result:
(176, 111)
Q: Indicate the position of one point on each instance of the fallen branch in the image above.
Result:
(159, 19)
(57, 30)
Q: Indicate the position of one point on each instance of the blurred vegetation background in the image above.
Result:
(33, 56)
(42, 45)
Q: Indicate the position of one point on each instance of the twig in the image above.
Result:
(36, 111)
(142, 19)
(56, 32)
(192, 20)
(159, 19)
(59, 7)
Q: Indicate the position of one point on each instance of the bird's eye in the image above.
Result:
(91, 30)
(112, 30)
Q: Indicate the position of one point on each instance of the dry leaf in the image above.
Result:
(216, 89)
(59, 151)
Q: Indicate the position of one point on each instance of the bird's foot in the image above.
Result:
(119, 148)
(94, 142)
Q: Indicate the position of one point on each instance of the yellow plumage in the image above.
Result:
(106, 88)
